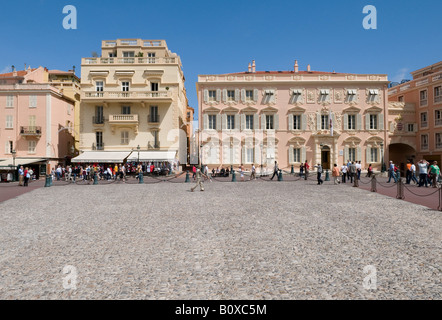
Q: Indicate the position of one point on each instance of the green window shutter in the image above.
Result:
(345, 121)
(206, 95)
(205, 121)
(318, 121)
(243, 154)
(290, 122)
(263, 122)
(367, 121)
(381, 121)
(346, 154)
(291, 156)
(368, 155)
(304, 122)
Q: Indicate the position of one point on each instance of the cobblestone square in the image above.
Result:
(255, 240)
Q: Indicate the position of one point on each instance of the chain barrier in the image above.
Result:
(422, 195)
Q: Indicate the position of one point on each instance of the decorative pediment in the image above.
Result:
(230, 109)
(249, 109)
(269, 109)
(373, 109)
(211, 109)
(124, 73)
(98, 73)
(374, 141)
(152, 73)
(296, 109)
(270, 141)
(352, 109)
(352, 141)
(297, 141)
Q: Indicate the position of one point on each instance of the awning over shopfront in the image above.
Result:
(101, 157)
(20, 162)
(152, 156)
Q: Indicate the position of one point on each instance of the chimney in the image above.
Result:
(296, 66)
(308, 68)
(253, 66)
(250, 67)
(14, 72)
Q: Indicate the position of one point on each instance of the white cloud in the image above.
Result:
(400, 75)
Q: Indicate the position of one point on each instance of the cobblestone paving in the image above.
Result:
(255, 240)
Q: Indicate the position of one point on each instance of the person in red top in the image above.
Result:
(306, 168)
(151, 168)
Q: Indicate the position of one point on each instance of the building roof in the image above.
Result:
(21, 73)
(285, 72)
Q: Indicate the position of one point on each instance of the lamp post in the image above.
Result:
(138, 149)
(262, 152)
(383, 169)
(13, 164)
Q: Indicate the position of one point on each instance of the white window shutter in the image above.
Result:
(273, 97)
(224, 121)
(346, 154)
(368, 155)
(291, 156)
(263, 122)
(367, 121)
(276, 120)
(318, 121)
(358, 122)
(206, 95)
(218, 95)
(256, 121)
(243, 95)
(243, 121)
(304, 122)
(391, 127)
(225, 95)
(345, 121)
(218, 122)
(358, 154)
(291, 121)
(255, 95)
(303, 154)
(381, 121)
(333, 118)
(206, 123)
(237, 92)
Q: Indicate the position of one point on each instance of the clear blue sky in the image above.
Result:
(222, 36)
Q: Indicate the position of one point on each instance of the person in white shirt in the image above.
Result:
(358, 169)
(252, 176)
(423, 171)
(413, 173)
(344, 170)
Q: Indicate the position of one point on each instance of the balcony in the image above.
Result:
(437, 99)
(123, 118)
(127, 95)
(30, 131)
(131, 60)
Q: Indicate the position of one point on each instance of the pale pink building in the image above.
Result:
(292, 116)
(36, 121)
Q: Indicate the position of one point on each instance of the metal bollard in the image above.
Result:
(293, 170)
(140, 178)
(187, 177)
(373, 183)
(280, 175)
(400, 190)
(233, 176)
(48, 181)
(327, 175)
(95, 178)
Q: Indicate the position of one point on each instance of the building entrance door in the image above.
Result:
(325, 158)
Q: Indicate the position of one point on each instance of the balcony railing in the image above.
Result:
(30, 131)
(424, 124)
(127, 95)
(97, 120)
(437, 99)
(423, 102)
(131, 60)
(438, 122)
(153, 118)
(123, 118)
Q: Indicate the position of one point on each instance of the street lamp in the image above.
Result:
(13, 164)
(138, 149)
(383, 169)
(262, 152)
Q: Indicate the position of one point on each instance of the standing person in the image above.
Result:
(275, 170)
(319, 174)
(241, 171)
(58, 172)
(358, 169)
(413, 173)
(423, 171)
(408, 173)
(391, 172)
(301, 169)
(336, 173)
(253, 174)
(26, 177)
(194, 173)
(123, 172)
(199, 182)
(434, 173)
(353, 171)
(344, 170)
(306, 169)
(369, 171)
(21, 176)
(348, 170)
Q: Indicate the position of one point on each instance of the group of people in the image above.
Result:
(24, 175)
(429, 174)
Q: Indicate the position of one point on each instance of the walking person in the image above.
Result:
(199, 182)
(27, 175)
(301, 170)
(319, 174)
(21, 176)
(369, 171)
(253, 174)
(423, 171)
(306, 169)
(413, 173)
(275, 170)
(391, 172)
(358, 169)
(336, 173)
(353, 171)
(408, 173)
(344, 170)
(241, 171)
(434, 173)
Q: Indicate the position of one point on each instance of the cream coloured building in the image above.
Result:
(292, 116)
(133, 98)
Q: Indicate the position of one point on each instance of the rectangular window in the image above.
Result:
(230, 95)
(296, 123)
(151, 57)
(99, 116)
(9, 122)
(352, 154)
(9, 147)
(125, 110)
(438, 94)
(9, 101)
(424, 121)
(154, 86)
(269, 122)
(156, 142)
(212, 122)
(124, 137)
(212, 95)
(351, 95)
(373, 121)
(230, 122)
(373, 95)
(249, 121)
(125, 86)
(374, 155)
(31, 146)
(324, 95)
(250, 155)
(438, 117)
(324, 122)
(410, 127)
(128, 54)
(32, 101)
(99, 85)
(438, 140)
(154, 116)
(424, 141)
(423, 97)
(297, 155)
(269, 96)
(249, 95)
(32, 123)
(351, 122)
(99, 140)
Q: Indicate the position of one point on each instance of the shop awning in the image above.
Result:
(148, 156)
(20, 161)
(101, 157)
